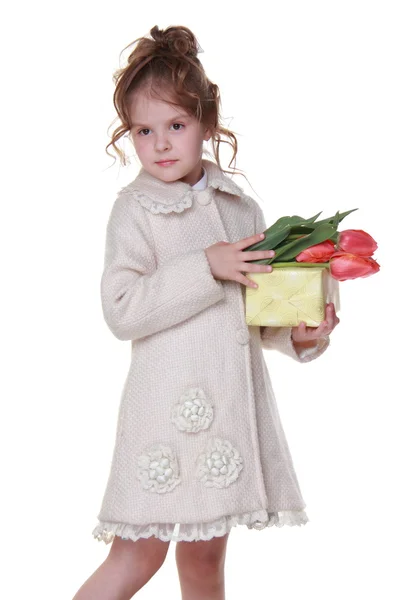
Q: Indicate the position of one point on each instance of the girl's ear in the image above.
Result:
(207, 134)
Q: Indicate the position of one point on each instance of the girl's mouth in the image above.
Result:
(166, 163)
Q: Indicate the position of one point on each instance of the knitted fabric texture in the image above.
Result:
(221, 459)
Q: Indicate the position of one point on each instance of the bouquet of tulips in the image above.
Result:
(348, 254)
(311, 257)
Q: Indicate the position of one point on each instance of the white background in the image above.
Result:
(312, 90)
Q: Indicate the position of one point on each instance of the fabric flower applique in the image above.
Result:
(193, 412)
(220, 464)
(158, 469)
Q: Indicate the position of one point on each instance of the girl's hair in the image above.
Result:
(166, 67)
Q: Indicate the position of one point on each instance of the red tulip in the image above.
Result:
(356, 241)
(318, 253)
(350, 266)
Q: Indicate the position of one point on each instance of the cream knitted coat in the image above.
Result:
(199, 443)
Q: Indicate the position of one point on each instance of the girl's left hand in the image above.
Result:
(302, 333)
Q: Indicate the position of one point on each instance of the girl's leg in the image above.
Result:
(127, 568)
(201, 568)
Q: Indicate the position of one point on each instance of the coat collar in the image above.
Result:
(159, 196)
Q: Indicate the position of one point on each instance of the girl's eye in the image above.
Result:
(141, 131)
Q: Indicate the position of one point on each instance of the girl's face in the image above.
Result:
(161, 132)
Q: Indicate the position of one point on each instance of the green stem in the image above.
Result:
(282, 265)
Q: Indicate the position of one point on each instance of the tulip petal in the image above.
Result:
(357, 241)
(318, 253)
(345, 266)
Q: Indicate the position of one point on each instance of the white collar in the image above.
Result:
(202, 183)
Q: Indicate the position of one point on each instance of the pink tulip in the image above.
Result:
(356, 241)
(350, 266)
(317, 254)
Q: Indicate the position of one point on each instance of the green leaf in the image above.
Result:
(275, 236)
(335, 222)
(292, 249)
(312, 219)
(294, 222)
(280, 229)
(271, 240)
(335, 237)
(340, 217)
(303, 229)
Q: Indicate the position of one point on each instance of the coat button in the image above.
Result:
(242, 335)
(204, 197)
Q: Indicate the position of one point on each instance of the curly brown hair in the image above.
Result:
(167, 67)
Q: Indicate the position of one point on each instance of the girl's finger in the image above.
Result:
(256, 254)
(332, 311)
(245, 242)
(302, 329)
(322, 328)
(254, 268)
(245, 281)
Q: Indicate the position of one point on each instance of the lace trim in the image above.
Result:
(189, 532)
(162, 207)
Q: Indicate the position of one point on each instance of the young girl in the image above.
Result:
(199, 444)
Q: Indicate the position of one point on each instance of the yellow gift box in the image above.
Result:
(289, 295)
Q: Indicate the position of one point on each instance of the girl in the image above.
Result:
(199, 444)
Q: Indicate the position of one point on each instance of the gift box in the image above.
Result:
(288, 295)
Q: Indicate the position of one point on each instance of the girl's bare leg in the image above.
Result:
(127, 568)
(201, 568)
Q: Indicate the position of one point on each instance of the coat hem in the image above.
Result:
(106, 530)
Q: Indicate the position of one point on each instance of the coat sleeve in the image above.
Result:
(138, 298)
(280, 338)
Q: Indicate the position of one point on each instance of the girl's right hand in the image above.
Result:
(228, 261)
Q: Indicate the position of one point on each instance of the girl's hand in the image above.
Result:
(303, 334)
(227, 261)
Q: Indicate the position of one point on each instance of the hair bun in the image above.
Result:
(177, 40)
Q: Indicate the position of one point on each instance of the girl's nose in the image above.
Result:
(162, 143)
